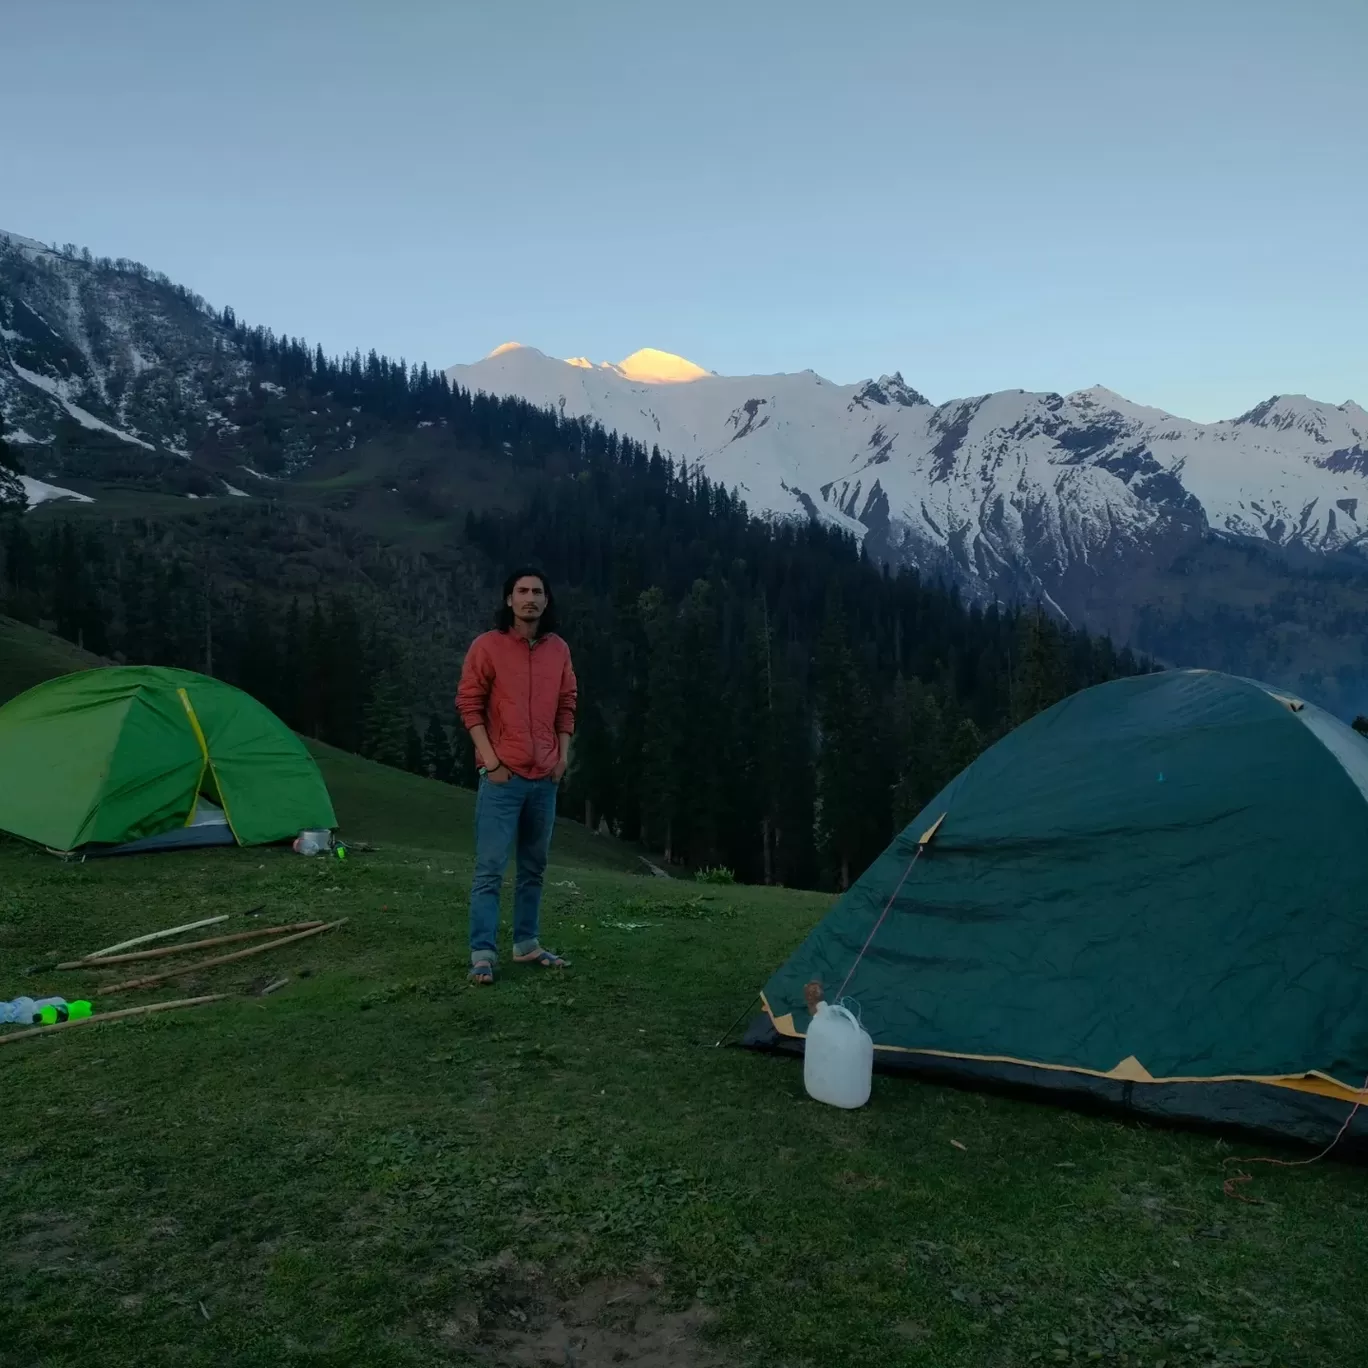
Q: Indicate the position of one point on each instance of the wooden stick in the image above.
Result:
(157, 935)
(111, 1016)
(152, 980)
(188, 945)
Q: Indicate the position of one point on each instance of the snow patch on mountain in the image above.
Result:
(28, 245)
(58, 389)
(39, 491)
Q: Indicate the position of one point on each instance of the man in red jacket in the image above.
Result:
(517, 699)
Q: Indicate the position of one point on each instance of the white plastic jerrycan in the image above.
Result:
(838, 1058)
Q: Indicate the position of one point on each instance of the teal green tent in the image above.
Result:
(1154, 894)
(139, 758)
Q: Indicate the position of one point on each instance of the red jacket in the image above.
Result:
(524, 693)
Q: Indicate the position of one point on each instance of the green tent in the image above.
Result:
(1154, 894)
(139, 757)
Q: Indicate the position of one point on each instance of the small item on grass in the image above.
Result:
(153, 979)
(273, 987)
(958, 1146)
(24, 1009)
(204, 1311)
(95, 1020)
(45, 1011)
(181, 949)
(838, 1057)
(70, 1011)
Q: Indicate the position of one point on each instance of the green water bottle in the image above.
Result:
(70, 1011)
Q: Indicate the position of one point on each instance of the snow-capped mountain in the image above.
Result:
(1197, 543)
(115, 349)
(1008, 493)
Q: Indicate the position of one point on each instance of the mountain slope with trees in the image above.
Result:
(755, 696)
(125, 387)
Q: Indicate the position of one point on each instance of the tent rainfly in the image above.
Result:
(1154, 894)
(144, 758)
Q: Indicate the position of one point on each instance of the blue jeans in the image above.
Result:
(520, 813)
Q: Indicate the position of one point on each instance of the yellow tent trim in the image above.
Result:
(208, 764)
(204, 752)
(929, 834)
(1129, 1070)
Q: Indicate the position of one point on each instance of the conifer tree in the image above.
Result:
(22, 577)
(591, 786)
(413, 750)
(12, 495)
(259, 669)
(796, 863)
(385, 730)
(843, 782)
(437, 757)
(663, 740)
(708, 762)
(1040, 673)
(293, 667)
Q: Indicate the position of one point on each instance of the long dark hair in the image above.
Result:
(503, 619)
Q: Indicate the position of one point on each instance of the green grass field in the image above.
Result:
(380, 1165)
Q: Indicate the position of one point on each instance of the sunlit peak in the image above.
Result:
(653, 367)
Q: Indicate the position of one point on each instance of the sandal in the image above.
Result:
(482, 973)
(547, 959)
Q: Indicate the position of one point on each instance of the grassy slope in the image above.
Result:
(379, 804)
(378, 1165)
(28, 656)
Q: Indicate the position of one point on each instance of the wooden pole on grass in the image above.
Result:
(188, 945)
(157, 935)
(111, 1016)
(152, 980)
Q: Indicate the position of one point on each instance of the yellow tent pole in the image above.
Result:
(208, 764)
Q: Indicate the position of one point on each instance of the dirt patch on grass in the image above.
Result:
(42, 1240)
(605, 1325)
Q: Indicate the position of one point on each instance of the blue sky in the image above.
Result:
(1166, 198)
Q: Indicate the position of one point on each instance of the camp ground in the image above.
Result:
(373, 1164)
